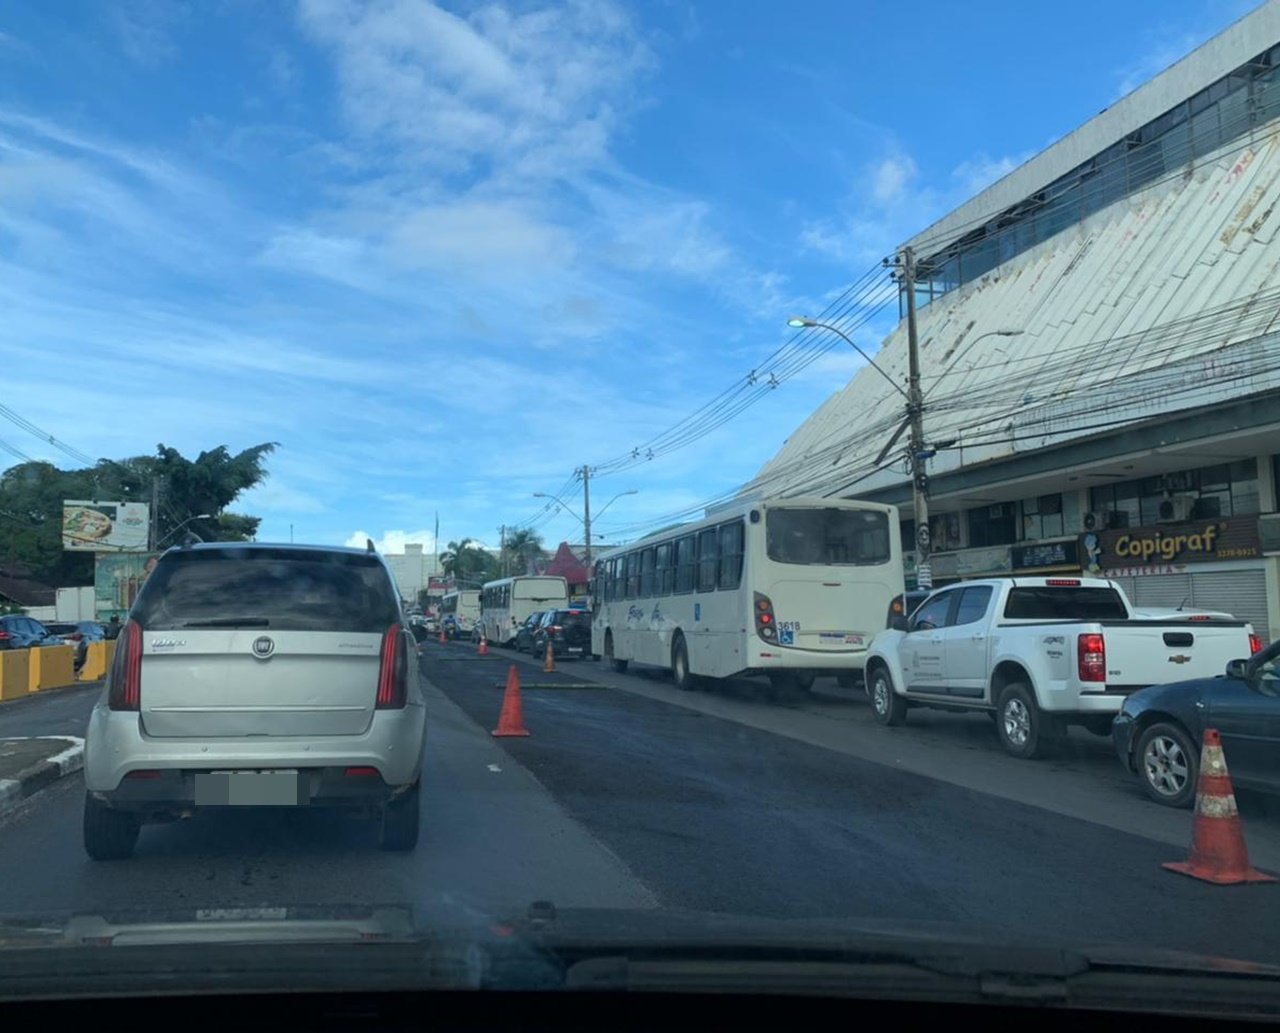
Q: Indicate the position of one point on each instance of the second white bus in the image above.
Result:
(790, 588)
(505, 603)
(463, 605)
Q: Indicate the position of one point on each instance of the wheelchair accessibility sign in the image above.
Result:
(787, 636)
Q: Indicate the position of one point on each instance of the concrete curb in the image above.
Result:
(31, 780)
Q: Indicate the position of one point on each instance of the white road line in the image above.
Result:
(495, 769)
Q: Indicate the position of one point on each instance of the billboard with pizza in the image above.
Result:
(92, 526)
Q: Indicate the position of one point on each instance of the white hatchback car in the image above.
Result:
(258, 675)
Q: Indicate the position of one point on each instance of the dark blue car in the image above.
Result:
(1158, 731)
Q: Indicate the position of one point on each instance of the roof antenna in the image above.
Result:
(1184, 602)
(368, 544)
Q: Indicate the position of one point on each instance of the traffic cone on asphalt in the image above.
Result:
(549, 661)
(483, 649)
(511, 720)
(1218, 852)
(443, 640)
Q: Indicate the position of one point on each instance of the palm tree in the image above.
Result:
(454, 560)
(525, 546)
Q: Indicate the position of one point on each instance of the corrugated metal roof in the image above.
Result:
(1144, 308)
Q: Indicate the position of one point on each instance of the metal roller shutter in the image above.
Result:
(1241, 593)
(1165, 590)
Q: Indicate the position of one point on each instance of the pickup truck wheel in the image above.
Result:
(888, 707)
(1168, 764)
(1020, 724)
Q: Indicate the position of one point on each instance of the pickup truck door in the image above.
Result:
(923, 647)
(1248, 718)
(965, 640)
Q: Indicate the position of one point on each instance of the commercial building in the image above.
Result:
(1099, 340)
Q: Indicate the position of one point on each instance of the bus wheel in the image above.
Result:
(684, 680)
(805, 680)
(618, 665)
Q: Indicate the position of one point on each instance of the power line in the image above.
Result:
(31, 428)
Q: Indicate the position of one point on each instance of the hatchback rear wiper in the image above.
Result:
(229, 622)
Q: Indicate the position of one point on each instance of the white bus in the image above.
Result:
(504, 604)
(790, 588)
(463, 605)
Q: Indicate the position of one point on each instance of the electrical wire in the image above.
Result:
(31, 428)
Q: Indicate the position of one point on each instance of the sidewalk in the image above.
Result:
(27, 765)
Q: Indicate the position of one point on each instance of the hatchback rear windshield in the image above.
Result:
(1064, 604)
(569, 617)
(294, 589)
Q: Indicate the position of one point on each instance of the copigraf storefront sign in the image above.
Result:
(1200, 541)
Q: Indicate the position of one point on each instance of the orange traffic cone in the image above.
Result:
(443, 640)
(549, 661)
(483, 649)
(511, 720)
(1218, 852)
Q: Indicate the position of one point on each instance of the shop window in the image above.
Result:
(995, 524)
(1041, 518)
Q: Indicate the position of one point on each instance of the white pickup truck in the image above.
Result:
(1039, 654)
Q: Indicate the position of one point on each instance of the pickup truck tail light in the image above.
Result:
(1255, 643)
(1091, 657)
(766, 624)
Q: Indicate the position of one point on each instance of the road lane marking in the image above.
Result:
(495, 769)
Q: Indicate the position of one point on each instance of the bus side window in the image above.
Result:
(686, 564)
(666, 568)
(731, 555)
(708, 559)
(646, 573)
(633, 575)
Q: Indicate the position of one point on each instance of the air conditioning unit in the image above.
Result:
(1094, 521)
(1176, 508)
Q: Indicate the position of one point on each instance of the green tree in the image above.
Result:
(31, 497)
(468, 563)
(524, 547)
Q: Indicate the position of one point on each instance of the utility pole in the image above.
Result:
(153, 531)
(502, 548)
(586, 509)
(915, 413)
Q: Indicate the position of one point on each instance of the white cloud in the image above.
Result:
(1165, 48)
(145, 29)
(892, 176)
(393, 541)
(978, 172)
(479, 236)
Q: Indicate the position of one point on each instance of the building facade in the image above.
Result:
(1099, 336)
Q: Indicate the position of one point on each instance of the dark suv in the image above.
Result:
(524, 634)
(569, 632)
(18, 631)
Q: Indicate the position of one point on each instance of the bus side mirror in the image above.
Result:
(899, 623)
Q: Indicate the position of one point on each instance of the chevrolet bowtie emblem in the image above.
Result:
(1179, 658)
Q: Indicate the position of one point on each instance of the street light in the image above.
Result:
(585, 520)
(198, 516)
(804, 322)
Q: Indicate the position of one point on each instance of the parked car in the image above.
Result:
(568, 631)
(524, 633)
(18, 631)
(245, 676)
(78, 634)
(1158, 732)
(1039, 653)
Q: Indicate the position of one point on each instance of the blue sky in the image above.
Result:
(445, 253)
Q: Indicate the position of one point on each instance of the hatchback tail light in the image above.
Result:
(1091, 657)
(393, 672)
(765, 622)
(126, 669)
(1255, 643)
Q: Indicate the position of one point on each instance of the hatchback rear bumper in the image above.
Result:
(115, 745)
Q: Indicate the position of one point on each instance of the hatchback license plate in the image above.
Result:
(251, 789)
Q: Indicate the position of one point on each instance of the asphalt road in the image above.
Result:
(716, 813)
(631, 794)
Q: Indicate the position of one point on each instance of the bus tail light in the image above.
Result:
(1091, 656)
(765, 622)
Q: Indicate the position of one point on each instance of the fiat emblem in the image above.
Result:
(263, 646)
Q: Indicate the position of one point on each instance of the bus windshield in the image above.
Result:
(825, 536)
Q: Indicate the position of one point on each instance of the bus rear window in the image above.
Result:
(831, 536)
(1045, 603)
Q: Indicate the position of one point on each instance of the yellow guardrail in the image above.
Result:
(13, 673)
(51, 667)
(97, 660)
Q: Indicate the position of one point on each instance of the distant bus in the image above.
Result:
(789, 588)
(504, 604)
(463, 605)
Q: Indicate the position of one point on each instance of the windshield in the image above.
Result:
(1067, 604)
(827, 537)
(922, 364)
(277, 588)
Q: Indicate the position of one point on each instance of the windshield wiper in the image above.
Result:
(229, 622)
